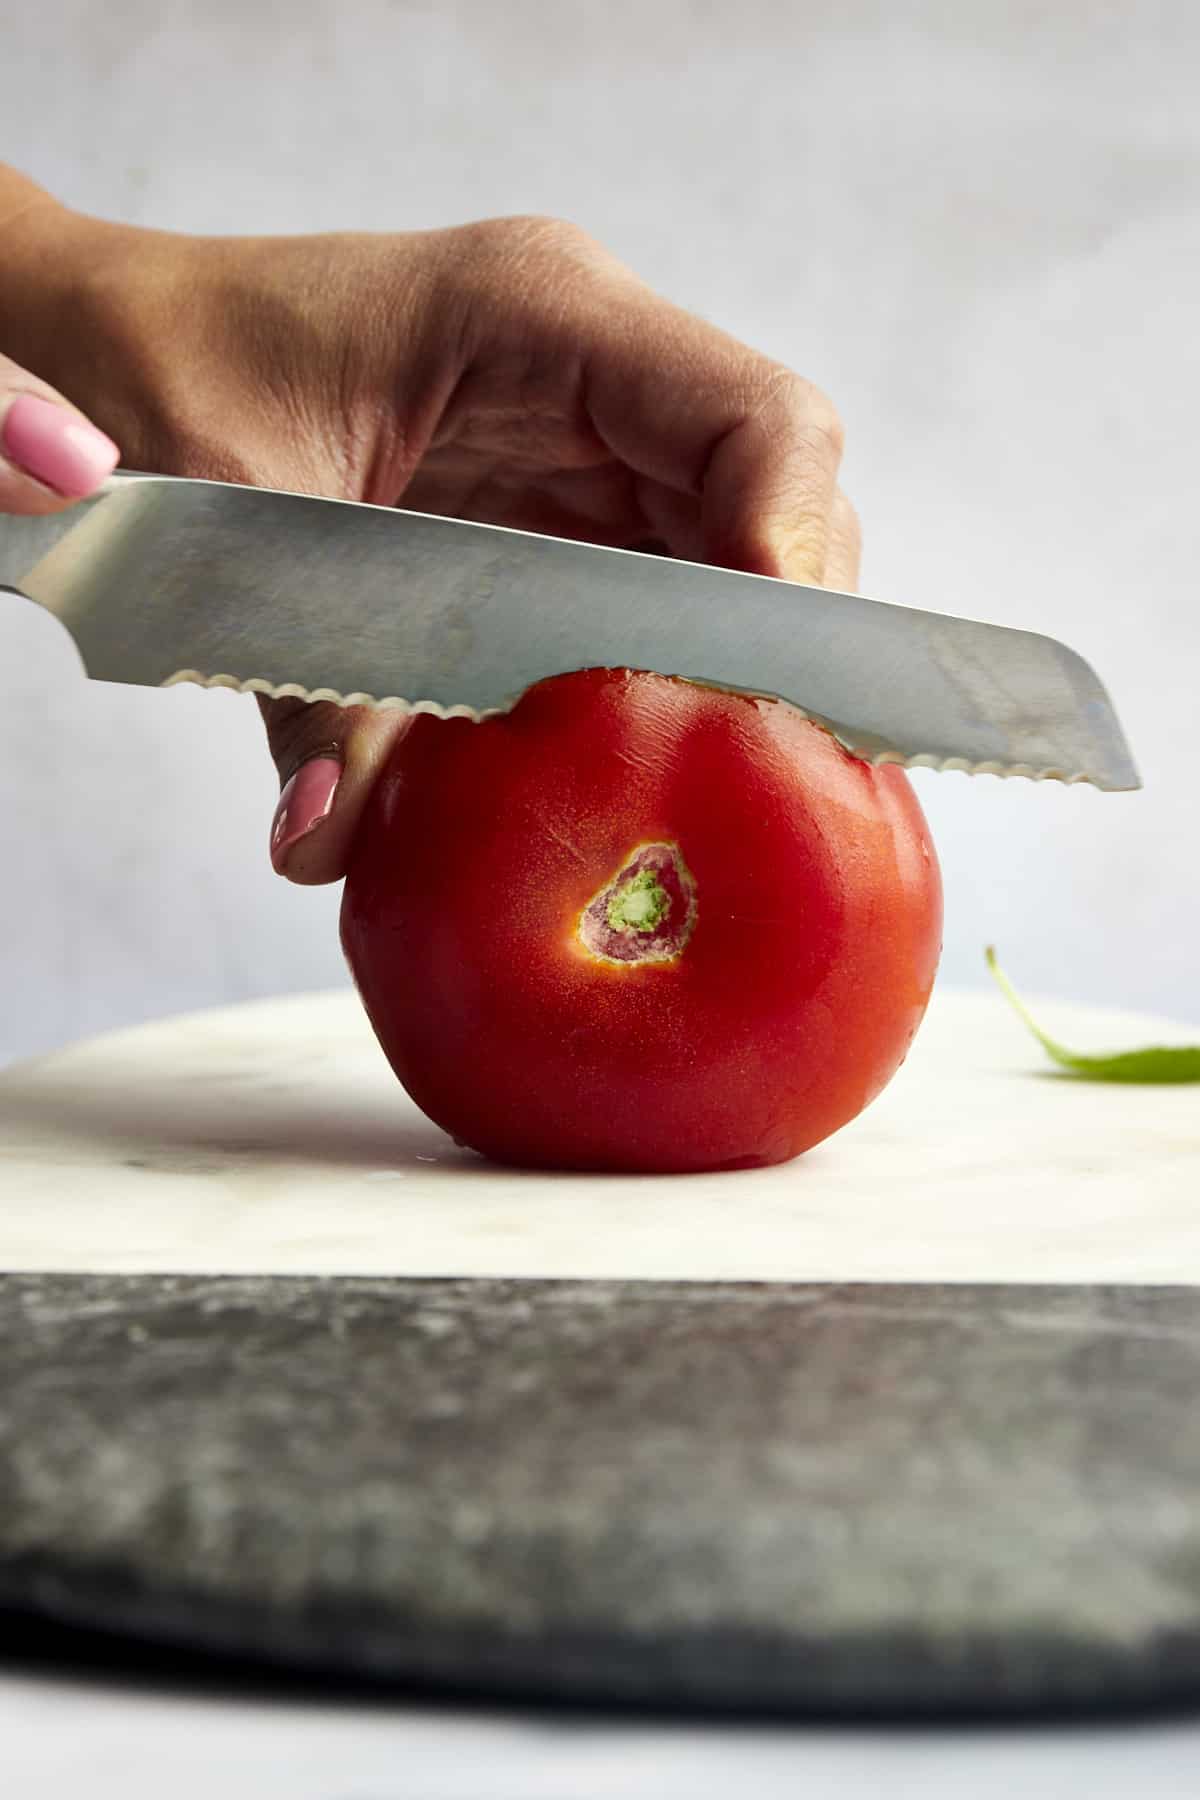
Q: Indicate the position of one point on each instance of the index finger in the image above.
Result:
(685, 404)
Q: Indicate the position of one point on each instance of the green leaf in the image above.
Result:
(1157, 1063)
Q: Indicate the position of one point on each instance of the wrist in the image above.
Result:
(46, 250)
(71, 287)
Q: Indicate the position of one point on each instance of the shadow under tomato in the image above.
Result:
(204, 1128)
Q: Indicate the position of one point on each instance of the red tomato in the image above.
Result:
(641, 924)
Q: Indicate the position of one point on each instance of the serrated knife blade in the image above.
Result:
(161, 580)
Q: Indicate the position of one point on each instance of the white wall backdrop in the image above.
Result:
(975, 222)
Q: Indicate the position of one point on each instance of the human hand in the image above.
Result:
(510, 371)
(50, 455)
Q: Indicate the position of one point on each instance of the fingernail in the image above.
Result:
(304, 802)
(57, 446)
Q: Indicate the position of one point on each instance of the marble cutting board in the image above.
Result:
(910, 1423)
(272, 1138)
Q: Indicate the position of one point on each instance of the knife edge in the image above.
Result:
(163, 581)
(877, 757)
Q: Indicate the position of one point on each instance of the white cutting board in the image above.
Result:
(272, 1137)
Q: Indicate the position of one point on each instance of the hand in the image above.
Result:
(50, 456)
(510, 371)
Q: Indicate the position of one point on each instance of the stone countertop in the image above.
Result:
(808, 1500)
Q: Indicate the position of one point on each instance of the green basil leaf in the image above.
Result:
(1157, 1063)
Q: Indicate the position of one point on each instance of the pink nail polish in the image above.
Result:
(56, 446)
(304, 802)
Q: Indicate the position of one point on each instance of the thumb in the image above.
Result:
(328, 758)
(50, 455)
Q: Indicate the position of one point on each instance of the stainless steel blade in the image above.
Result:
(161, 580)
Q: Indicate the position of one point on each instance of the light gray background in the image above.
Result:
(977, 224)
(67, 1740)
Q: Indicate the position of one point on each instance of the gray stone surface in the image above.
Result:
(780, 1497)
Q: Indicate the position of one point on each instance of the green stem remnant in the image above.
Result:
(640, 905)
(645, 913)
(1157, 1063)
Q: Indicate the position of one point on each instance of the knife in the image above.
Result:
(160, 580)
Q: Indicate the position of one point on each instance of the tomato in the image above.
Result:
(641, 924)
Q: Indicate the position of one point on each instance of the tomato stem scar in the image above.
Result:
(640, 904)
(646, 912)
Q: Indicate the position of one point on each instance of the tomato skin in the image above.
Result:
(816, 934)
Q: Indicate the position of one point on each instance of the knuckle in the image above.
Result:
(807, 545)
(847, 522)
(561, 236)
(527, 274)
(298, 730)
(525, 236)
(823, 423)
(799, 409)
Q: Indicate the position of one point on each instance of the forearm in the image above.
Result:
(28, 216)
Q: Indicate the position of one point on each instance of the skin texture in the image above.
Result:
(796, 993)
(511, 371)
